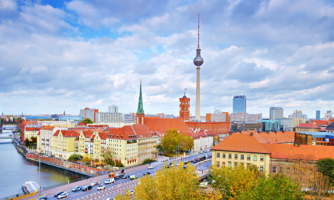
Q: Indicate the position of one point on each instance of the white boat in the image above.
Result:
(30, 187)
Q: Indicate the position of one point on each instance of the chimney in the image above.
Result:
(251, 134)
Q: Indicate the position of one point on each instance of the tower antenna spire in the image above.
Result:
(198, 33)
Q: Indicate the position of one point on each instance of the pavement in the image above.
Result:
(120, 185)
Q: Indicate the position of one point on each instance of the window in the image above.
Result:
(274, 169)
(229, 164)
(242, 157)
(235, 156)
(243, 164)
(255, 158)
(218, 155)
(235, 164)
(229, 156)
(223, 163)
(261, 168)
(217, 163)
(223, 155)
(248, 157)
(261, 158)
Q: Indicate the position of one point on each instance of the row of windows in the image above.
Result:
(242, 157)
(229, 164)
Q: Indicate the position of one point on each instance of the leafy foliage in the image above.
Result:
(74, 157)
(87, 121)
(148, 160)
(173, 140)
(326, 167)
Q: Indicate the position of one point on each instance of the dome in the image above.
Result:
(198, 61)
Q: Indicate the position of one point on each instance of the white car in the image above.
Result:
(151, 167)
(62, 195)
(109, 181)
(101, 187)
(203, 184)
(132, 192)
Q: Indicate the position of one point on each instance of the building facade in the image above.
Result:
(88, 113)
(184, 108)
(239, 104)
(63, 143)
(108, 117)
(317, 115)
(276, 113)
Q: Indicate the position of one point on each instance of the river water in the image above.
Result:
(16, 170)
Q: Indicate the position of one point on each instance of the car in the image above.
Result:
(133, 177)
(42, 198)
(58, 193)
(109, 181)
(201, 152)
(125, 177)
(78, 188)
(132, 192)
(94, 183)
(86, 188)
(203, 184)
(151, 167)
(101, 187)
(148, 173)
(62, 195)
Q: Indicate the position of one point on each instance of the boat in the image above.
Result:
(30, 187)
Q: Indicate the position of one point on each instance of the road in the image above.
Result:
(119, 186)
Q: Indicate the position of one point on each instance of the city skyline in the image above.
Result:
(58, 56)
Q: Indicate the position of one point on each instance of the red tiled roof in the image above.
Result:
(81, 124)
(129, 132)
(103, 135)
(66, 133)
(272, 137)
(163, 124)
(310, 152)
(33, 129)
(307, 125)
(242, 143)
(320, 122)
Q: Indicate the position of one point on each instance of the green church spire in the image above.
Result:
(140, 103)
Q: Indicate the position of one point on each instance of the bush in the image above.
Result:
(74, 157)
(148, 160)
(118, 163)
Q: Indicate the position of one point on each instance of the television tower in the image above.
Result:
(198, 61)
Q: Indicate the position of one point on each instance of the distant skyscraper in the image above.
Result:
(113, 109)
(297, 114)
(239, 104)
(305, 117)
(276, 113)
(317, 115)
(198, 61)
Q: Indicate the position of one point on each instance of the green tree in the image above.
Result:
(326, 167)
(186, 143)
(173, 140)
(1, 120)
(107, 156)
(160, 148)
(74, 157)
(87, 121)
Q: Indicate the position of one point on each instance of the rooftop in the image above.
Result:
(307, 125)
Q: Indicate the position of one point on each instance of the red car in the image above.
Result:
(94, 183)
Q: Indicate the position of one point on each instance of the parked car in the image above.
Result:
(42, 198)
(133, 177)
(94, 183)
(148, 173)
(101, 187)
(151, 167)
(125, 177)
(58, 193)
(78, 188)
(62, 195)
(86, 188)
(109, 181)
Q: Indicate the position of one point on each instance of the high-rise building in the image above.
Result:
(276, 113)
(239, 104)
(113, 109)
(297, 114)
(140, 111)
(305, 117)
(88, 113)
(317, 115)
(108, 117)
(198, 61)
(184, 108)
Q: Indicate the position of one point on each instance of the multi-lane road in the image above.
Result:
(120, 185)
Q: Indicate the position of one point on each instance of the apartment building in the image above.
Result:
(63, 143)
(44, 140)
(31, 131)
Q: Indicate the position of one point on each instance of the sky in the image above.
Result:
(68, 55)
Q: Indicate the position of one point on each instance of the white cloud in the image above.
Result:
(38, 70)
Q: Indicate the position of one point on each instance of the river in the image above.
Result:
(16, 170)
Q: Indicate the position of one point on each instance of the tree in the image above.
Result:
(87, 121)
(107, 156)
(326, 167)
(160, 148)
(173, 140)
(74, 157)
(186, 143)
(87, 158)
(1, 120)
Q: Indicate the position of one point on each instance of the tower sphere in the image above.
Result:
(198, 60)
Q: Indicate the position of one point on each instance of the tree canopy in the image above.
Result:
(87, 121)
(174, 140)
(326, 167)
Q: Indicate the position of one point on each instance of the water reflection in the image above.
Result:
(15, 170)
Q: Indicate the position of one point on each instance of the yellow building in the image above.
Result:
(31, 132)
(63, 143)
(243, 149)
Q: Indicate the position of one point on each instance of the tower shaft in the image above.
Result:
(198, 92)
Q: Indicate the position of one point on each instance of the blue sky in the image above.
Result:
(67, 55)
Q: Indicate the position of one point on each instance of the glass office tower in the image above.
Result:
(317, 115)
(239, 104)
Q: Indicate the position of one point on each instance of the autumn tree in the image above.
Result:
(173, 140)
(326, 167)
(87, 121)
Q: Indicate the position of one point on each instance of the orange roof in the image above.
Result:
(47, 128)
(307, 125)
(320, 122)
(242, 143)
(310, 152)
(66, 133)
(103, 135)
(129, 132)
(272, 137)
(163, 124)
(33, 129)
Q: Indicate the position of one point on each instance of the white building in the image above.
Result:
(276, 113)
(113, 109)
(297, 114)
(108, 117)
(88, 113)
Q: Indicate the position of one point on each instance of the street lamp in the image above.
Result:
(40, 187)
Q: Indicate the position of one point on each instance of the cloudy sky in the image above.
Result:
(67, 55)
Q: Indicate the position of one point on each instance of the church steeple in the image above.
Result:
(140, 102)
(140, 111)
